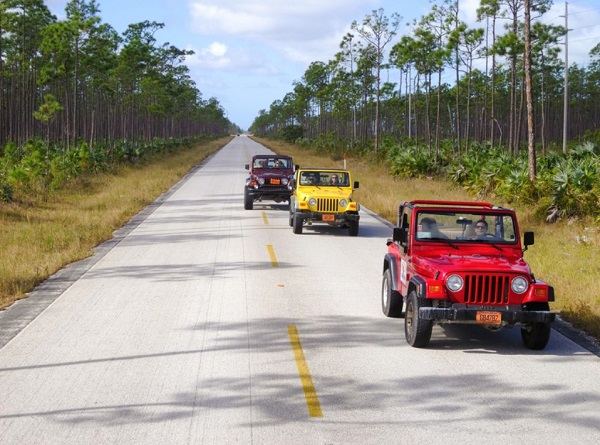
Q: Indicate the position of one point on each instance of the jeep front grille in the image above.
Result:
(486, 289)
(327, 205)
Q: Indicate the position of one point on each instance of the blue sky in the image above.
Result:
(248, 53)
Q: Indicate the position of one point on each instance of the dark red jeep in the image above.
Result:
(269, 178)
(462, 262)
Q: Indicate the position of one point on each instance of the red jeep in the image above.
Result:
(462, 262)
(269, 178)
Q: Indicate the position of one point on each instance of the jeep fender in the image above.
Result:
(390, 262)
(293, 203)
(419, 285)
(416, 283)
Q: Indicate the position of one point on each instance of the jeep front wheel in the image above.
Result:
(536, 335)
(416, 330)
(297, 224)
(391, 300)
(248, 200)
(353, 228)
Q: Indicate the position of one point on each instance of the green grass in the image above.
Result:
(39, 236)
(566, 254)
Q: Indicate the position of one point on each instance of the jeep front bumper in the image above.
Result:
(269, 193)
(328, 217)
(509, 317)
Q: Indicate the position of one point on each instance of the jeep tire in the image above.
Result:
(353, 228)
(416, 330)
(297, 224)
(536, 335)
(391, 300)
(248, 200)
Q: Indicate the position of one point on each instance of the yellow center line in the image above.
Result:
(310, 393)
(265, 219)
(272, 255)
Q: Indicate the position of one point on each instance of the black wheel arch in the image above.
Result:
(418, 285)
(390, 262)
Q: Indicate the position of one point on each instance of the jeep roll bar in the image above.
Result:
(434, 202)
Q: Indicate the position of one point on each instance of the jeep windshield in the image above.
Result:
(325, 178)
(467, 226)
(274, 162)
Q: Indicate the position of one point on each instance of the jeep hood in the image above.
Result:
(475, 262)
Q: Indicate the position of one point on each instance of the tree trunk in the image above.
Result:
(530, 134)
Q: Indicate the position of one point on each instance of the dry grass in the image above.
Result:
(39, 238)
(565, 254)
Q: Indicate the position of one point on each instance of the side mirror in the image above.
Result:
(247, 167)
(297, 167)
(355, 185)
(528, 239)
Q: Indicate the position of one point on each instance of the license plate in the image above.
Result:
(328, 217)
(485, 317)
(275, 181)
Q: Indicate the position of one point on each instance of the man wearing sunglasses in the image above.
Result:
(481, 228)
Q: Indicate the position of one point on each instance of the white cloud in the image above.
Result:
(217, 49)
(301, 31)
(213, 56)
(220, 56)
(218, 19)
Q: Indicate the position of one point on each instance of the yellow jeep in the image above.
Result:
(323, 195)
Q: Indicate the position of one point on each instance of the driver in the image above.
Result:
(481, 228)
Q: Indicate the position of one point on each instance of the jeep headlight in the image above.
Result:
(454, 283)
(261, 181)
(519, 285)
(343, 202)
(312, 202)
(284, 181)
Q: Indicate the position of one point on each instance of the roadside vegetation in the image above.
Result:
(566, 252)
(42, 232)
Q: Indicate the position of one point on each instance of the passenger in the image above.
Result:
(430, 225)
(335, 180)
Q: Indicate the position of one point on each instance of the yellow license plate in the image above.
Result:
(276, 181)
(485, 317)
(328, 217)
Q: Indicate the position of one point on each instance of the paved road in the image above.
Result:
(205, 323)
